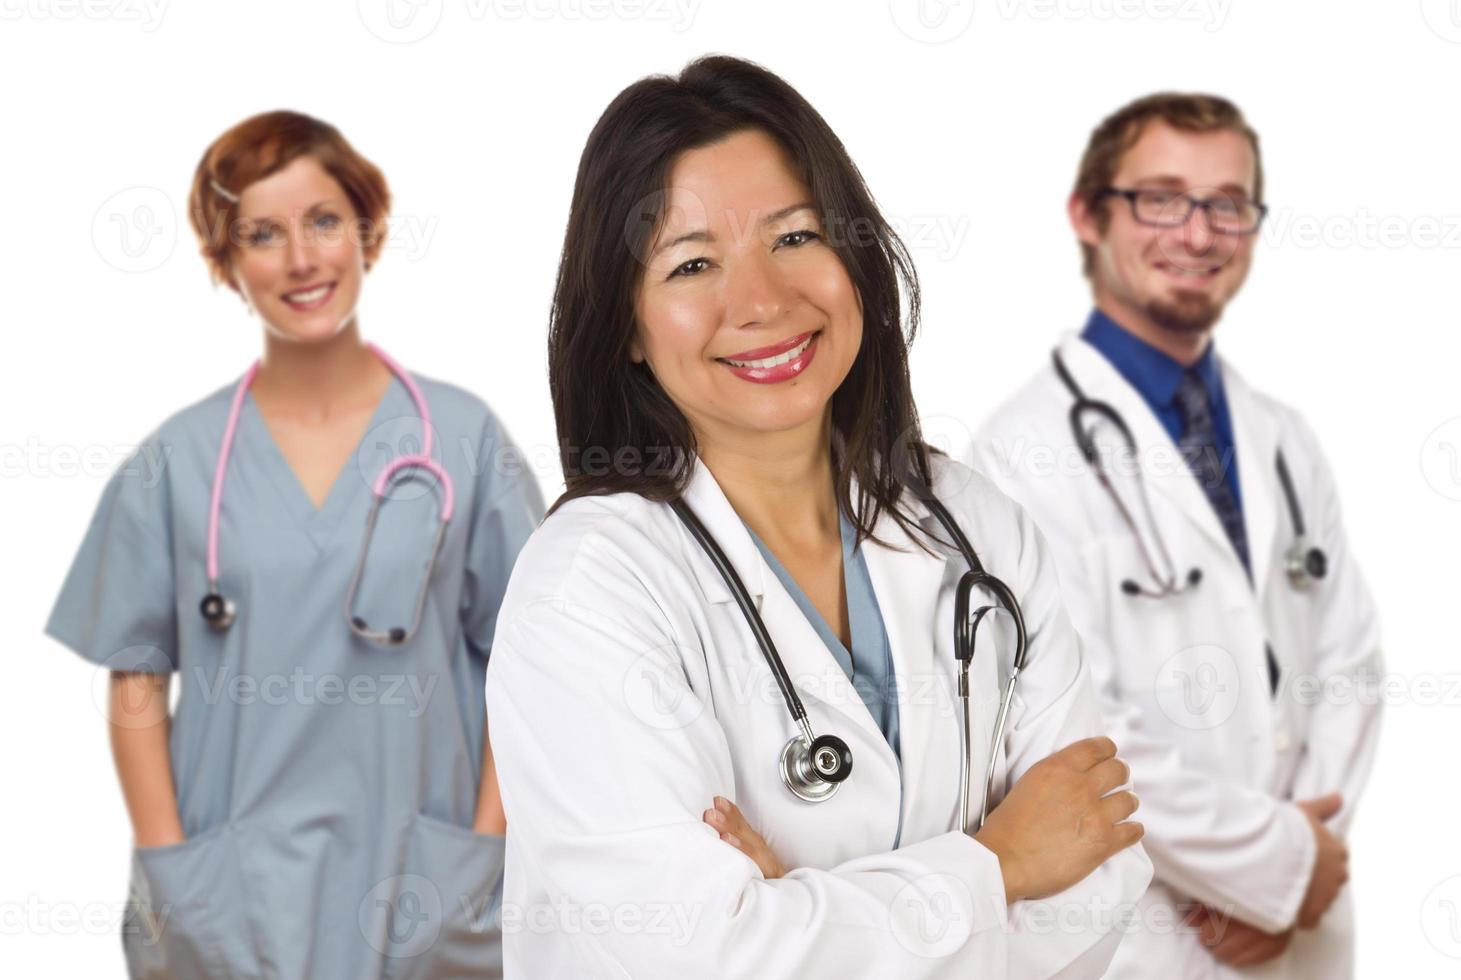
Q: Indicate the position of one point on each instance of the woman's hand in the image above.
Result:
(140, 728)
(735, 831)
(1057, 824)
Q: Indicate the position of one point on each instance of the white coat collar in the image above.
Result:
(1256, 434)
(1162, 466)
(1255, 437)
(710, 504)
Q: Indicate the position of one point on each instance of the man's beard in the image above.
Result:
(1188, 312)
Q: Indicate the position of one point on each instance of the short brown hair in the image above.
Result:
(263, 145)
(1118, 132)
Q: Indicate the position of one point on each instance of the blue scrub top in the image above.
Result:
(869, 665)
(326, 784)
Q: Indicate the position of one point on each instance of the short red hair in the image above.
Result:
(263, 145)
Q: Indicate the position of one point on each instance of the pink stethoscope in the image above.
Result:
(220, 612)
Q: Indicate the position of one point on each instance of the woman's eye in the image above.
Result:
(690, 268)
(261, 237)
(798, 238)
(326, 221)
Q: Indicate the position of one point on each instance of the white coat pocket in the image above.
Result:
(447, 922)
(186, 914)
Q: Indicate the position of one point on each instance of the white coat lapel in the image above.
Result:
(826, 692)
(1162, 465)
(1255, 431)
(908, 585)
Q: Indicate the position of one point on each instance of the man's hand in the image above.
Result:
(1235, 942)
(1331, 865)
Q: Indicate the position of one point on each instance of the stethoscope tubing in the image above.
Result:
(966, 623)
(420, 461)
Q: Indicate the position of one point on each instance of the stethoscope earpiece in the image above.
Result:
(1163, 589)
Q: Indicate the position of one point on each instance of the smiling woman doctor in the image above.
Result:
(727, 335)
(321, 803)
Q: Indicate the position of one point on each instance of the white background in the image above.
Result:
(967, 122)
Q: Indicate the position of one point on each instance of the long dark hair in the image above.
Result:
(617, 429)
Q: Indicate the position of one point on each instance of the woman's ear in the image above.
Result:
(636, 353)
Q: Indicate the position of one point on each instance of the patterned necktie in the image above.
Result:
(1198, 446)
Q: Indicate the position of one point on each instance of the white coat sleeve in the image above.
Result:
(607, 759)
(1073, 933)
(1344, 723)
(1212, 839)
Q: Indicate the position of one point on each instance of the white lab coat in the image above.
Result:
(1216, 758)
(625, 691)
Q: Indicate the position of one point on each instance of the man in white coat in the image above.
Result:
(1196, 530)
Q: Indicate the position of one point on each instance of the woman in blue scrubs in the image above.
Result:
(321, 803)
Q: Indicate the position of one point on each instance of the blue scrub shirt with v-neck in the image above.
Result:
(326, 784)
(869, 664)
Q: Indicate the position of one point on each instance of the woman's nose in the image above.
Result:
(300, 254)
(758, 291)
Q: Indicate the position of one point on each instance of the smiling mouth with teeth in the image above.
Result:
(784, 357)
(309, 295)
(1181, 271)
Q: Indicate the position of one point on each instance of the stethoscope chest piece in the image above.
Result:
(813, 770)
(1306, 564)
(217, 611)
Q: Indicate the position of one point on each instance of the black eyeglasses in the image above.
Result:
(1168, 209)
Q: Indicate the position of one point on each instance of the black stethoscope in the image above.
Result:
(814, 766)
(1304, 562)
